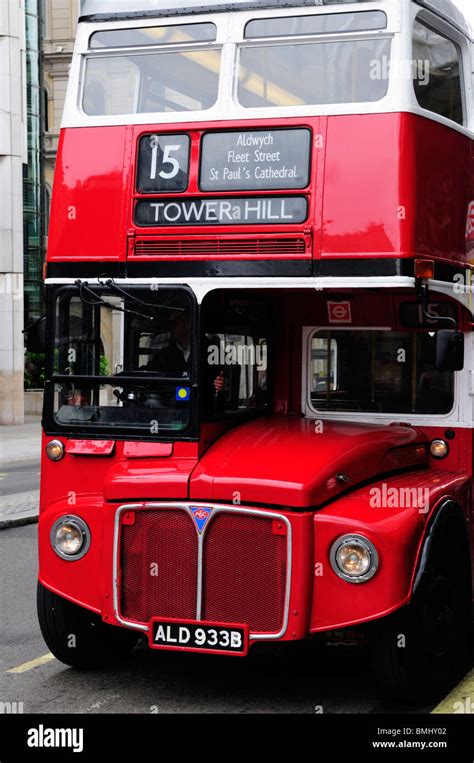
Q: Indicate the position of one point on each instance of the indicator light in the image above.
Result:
(55, 450)
(424, 268)
(439, 448)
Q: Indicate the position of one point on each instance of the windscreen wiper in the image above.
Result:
(110, 283)
(84, 289)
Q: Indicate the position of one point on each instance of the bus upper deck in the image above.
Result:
(190, 147)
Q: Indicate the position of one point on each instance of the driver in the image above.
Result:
(173, 359)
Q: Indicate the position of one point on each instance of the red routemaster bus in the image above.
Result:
(258, 413)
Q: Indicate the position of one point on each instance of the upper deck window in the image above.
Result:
(179, 80)
(437, 78)
(328, 23)
(144, 36)
(312, 73)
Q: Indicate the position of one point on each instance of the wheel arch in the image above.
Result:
(447, 525)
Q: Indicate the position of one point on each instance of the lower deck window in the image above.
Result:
(376, 371)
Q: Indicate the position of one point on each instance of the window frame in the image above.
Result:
(313, 34)
(117, 432)
(462, 79)
(230, 33)
(142, 51)
(309, 411)
(292, 41)
(150, 45)
(451, 34)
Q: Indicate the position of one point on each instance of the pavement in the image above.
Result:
(20, 450)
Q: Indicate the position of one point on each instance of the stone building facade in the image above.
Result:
(60, 21)
(13, 155)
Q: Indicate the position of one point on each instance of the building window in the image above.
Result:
(437, 73)
(46, 109)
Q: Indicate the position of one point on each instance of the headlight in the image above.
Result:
(354, 558)
(70, 538)
(439, 448)
(55, 450)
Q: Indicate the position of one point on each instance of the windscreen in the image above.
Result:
(328, 72)
(122, 360)
(154, 81)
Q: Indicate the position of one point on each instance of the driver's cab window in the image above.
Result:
(235, 368)
(235, 356)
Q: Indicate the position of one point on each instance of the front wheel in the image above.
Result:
(77, 636)
(421, 651)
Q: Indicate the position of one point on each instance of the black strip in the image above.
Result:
(85, 270)
(357, 268)
(342, 267)
(219, 268)
(381, 267)
(194, 11)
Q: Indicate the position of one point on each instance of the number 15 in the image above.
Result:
(167, 159)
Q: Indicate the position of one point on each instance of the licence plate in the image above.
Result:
(198, 636)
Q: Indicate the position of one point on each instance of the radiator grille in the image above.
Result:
(229, 247)
(245, 571)
(244, 568)
(166, 539)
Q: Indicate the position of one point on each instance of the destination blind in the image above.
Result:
(253, 210)
(256, 160)
(231, 161)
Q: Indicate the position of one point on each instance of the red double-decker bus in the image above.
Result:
(258, 408)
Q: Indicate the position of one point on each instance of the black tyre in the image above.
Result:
(78, 637)
(422, 651)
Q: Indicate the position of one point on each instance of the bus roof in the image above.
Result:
(449, 11)
(108, 10)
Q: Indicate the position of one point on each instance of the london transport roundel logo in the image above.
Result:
(201, 515)
(339, 312)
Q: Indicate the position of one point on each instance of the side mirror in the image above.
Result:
(36, 336)
(449, 350)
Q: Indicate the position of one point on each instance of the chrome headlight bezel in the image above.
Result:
(55, 444)
(345, 540)
(83, 529)
(443, 444)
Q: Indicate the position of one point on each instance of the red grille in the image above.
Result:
(229, 247)
(168, 540)
(244, 568)
(245, 572)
